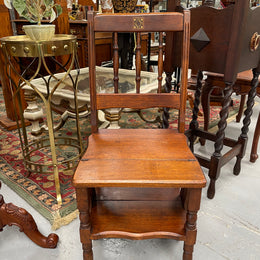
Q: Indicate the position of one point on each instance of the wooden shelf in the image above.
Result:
(138, 219)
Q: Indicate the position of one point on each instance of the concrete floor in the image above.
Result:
(228, 225)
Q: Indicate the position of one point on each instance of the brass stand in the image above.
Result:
(15, 47)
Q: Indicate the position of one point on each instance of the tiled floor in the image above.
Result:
(228, 225)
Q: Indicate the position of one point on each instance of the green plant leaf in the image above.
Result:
(19, 5)
(58, 9)
(32, 9)
(47, 13)
(35, 10)
(48, 3)
(29, 18)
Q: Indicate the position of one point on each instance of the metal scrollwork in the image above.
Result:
(138, 23)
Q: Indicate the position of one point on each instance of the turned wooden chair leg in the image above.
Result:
(191, 102)
(191, 200)
(13, 215)
(241, 108)
(205, 102)
(214, 169)
(247, 120)
(254, 155)
(194, 122)
(84, 205)
(191, 230)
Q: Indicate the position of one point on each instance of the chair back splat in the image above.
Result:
(137, 183)
(140, 24)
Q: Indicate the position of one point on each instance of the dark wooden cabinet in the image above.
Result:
(103, 42)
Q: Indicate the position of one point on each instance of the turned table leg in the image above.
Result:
(168, 87)
(247, 120)
(13, 215)
(241, 108)
(194, 122)
(205, 102)
(214, 169)
(254, 155)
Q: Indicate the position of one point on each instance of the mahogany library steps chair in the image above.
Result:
(138, 183)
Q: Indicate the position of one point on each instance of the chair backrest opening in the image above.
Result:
(138, 24)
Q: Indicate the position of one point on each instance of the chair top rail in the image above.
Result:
(151, 22)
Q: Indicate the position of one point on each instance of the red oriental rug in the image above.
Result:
(39, 189)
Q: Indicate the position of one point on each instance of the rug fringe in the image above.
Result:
(59, 221)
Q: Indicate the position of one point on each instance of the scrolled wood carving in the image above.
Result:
(124, 6)
(10, 215)
(23, 219)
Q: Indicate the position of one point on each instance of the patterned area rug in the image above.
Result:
(39, 189)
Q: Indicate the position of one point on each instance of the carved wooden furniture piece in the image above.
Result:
(13, 215)
(138, 183)
(222, 41)
(241, 87)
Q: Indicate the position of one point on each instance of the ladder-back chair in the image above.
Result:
(138, 183)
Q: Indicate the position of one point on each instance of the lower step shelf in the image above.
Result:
(139, 219)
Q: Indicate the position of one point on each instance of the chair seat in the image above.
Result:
(117, 158)
(244, 77)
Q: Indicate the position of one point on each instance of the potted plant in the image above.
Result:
(34, 11)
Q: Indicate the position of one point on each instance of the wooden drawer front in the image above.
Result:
(79, 31)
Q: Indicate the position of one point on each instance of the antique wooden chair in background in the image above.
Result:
(138, 183)
(241, 87)
(222, 41)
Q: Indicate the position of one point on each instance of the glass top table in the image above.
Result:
(104, 84)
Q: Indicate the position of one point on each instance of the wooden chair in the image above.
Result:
(241, 87)
(222, 41)
(138, 183)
